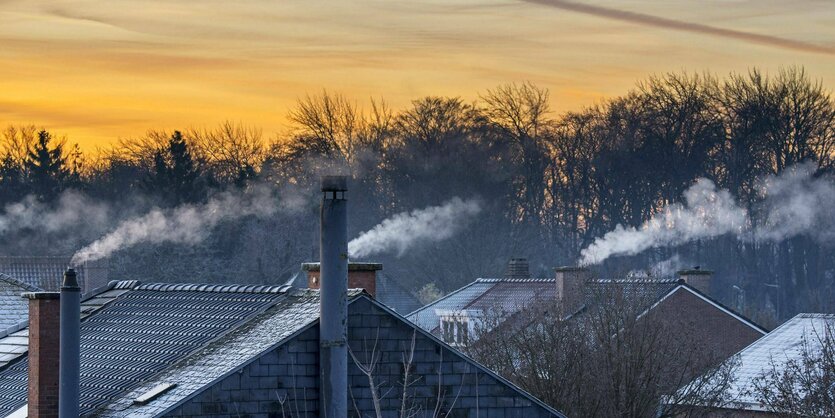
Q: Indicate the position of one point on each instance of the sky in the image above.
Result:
(97, 71)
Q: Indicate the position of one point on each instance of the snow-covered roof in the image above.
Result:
(785, 343)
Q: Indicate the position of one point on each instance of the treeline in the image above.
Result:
(549, 183)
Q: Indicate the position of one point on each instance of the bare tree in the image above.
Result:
(608, 360)
(803, 386)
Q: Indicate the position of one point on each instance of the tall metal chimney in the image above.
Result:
(70, 359)
(333, 322)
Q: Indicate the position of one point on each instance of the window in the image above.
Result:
(455, 330)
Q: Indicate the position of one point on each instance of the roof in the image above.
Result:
(14, 310)
(170, 342)
(133, 331)
(783, 344)
(394, 295)
(507, 295)
(47, 272)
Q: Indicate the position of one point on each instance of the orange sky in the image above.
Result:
(100, 70)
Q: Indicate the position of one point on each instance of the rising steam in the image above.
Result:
(72, 209)
(794, 203)
(707, 212)
(404, 230)
(188, 224)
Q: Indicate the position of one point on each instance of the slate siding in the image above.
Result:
(284, 382)
(281, 383)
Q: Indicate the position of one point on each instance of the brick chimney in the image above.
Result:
(697, 278)
(517, 268)
(44, 354)
(571, 281)
(360, 276)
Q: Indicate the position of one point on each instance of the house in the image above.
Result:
(226, 350)
(784, 344)
(45, 272)
(198, 350)
(457, 316)
(574, 292)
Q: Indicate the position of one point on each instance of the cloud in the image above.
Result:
(680, 25)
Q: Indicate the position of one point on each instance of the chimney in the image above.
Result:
(70, 359)
(333, 308)
(697, 278)
(360, 276)
(571, 282)
(44, 340)
(517, 268)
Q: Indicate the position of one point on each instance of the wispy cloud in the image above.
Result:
(680, 25)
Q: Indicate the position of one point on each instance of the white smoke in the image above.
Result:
(72, 209)
(797, 203)
(188, 224)
(706, 212)
(407, 229)
(793, 203)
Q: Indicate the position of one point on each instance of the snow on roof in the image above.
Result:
(775, 349)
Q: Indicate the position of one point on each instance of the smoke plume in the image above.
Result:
(188, 224)
(71, 210)
(407, 229)
(797, 203)
(706, 212)
(794, 203)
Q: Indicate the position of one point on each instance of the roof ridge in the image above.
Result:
(203, 287)
(515, 280)
(9, 279)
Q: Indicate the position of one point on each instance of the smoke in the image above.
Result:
(71, 210)
(188, 224)
(706, 212)
(798, 203)
(407, 229)
(794, 203)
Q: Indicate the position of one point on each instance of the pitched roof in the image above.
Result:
(783, 344)
(140, 332)
(175, 341)
(47, 272)
(14, 310)
(394, 295)
(507, 295)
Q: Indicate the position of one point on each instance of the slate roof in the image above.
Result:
(182, 337)
(14, 310)
(394, 295)
(138, 331)
(47, 272)
(783, 344)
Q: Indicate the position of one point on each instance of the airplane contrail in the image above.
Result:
(666, 23)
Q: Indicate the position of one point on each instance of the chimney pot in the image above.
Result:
(517, 268)
(70, 347)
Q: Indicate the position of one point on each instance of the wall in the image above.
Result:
(284, 382)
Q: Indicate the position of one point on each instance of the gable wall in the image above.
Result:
(290, 373)
(718, 334)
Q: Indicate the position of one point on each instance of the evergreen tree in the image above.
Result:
(175, 177)
(47, 169)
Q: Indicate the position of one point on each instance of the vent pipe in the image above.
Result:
(333, 322)
(68, 374)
